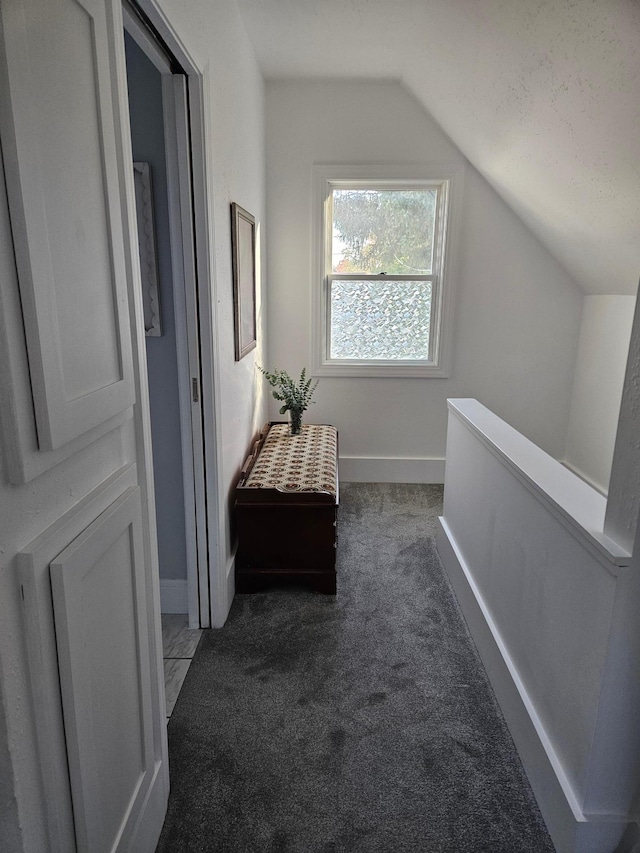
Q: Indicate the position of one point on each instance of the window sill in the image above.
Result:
(381, 370)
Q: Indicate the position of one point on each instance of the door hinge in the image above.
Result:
(194, 390)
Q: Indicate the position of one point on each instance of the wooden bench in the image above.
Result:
(286, 509)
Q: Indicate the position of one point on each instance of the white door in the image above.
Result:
(76, 414)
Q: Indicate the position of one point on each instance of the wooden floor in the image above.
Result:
(179, 644)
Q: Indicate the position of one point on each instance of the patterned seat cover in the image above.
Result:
(297, 463)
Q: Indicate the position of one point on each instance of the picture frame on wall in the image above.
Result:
(243, 246)
(147, 249)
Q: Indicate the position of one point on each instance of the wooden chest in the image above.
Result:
(286, 509)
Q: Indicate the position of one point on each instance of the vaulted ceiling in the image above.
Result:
(542, 97)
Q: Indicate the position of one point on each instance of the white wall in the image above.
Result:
(215, 36)
(623, 504)
(517, 314)
(541, 97)
(603, 348)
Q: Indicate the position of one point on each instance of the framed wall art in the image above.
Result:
(243, 246)
(147, 249)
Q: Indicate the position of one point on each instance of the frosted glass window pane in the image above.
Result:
(380, 319)
(390, 231)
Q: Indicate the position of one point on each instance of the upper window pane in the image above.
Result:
(378, 230)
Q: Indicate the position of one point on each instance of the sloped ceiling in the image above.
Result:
(542, 96)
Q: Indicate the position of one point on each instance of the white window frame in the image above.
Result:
(447, 180)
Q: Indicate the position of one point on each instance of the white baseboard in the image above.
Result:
(174, 596)
(570, 831)
(378, 469)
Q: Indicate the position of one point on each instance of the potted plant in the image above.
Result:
(296, 396)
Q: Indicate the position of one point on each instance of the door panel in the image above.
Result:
(24, 460)
(76, 426)
(100, 617)
(61, 158)
(34, 563)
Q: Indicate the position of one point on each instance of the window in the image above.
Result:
(385, 287)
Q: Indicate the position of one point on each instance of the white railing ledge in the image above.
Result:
(577, 503)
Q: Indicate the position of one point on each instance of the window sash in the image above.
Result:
(433, 319)
(440, 188)
(363, 276)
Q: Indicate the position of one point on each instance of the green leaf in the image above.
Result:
(295, 395)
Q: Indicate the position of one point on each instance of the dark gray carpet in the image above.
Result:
(357, 724)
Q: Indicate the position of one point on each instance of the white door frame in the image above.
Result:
(185, 302)
(186, 116)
